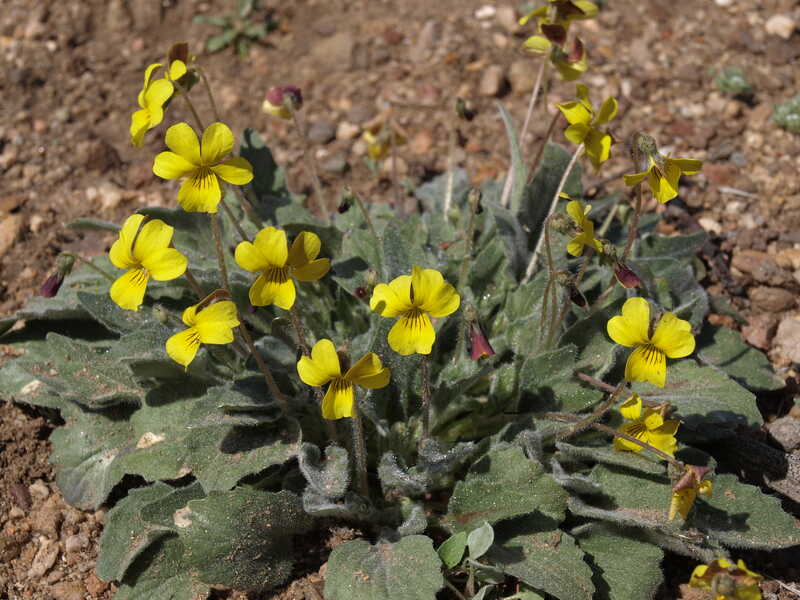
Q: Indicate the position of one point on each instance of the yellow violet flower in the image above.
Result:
(145, 252)
(278, 264)
(663, 174)
(379, 139)
(152, 97)
(201, 164)
(323, 366)
(570, 65)
(562, 12)
(414, 298)
(586, 236)
(727, 581)
(212, 325)
(647, 425)
(648, 362)
(685, 491)
(584, 124)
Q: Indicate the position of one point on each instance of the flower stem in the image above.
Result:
(204, 79)
(583, 423)
(474, 200)
(247, 206)
(617, 433)
(262, 366)
(310, 162)
(360, 449)
(532, 265)
(365, 212)
(90, 264)
(233, 219)
(532, 102)
(193, 283)
(634, 226)
(299, 330)
(425, 373)
(455, 590)
(185, 95)
(540, 152)
(556, 324)
(217, 233)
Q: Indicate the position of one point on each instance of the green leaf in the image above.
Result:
(92, 224)
(329, 477)
(88, 377)
(401, 248)
(606, 454)
(547, 382)
(269, 180)
(710, 403)
(503, 484)
(161, 574)
(116, 319)
(596, 351)
(21, 377)
(452, 549)
(480, 540)
(242, 538)
(624, 566)
(511, 234)
(405, 570)
(126, 534)
(536, 552)
(94, 450)
(726, 349)
(518, 171)
(679, 247)
(741, 516)
(220, 41)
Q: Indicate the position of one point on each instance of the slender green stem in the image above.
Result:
(556, 324)
(634, 226)
(185, 95)
(609, 217)
(233, 219)
(470, 580)
(540, 152)
(360, 449)
(454, 589)
(617, 433)
(452, 139)
(367, 218)
(204, 79)
(90, 264)
(553, 203)
(426, 398)
(247, 206)
(299, 330)
(193, 283)
(545, 308)
(310, 162)
(586, 422)
(217, 233)
(265, 371)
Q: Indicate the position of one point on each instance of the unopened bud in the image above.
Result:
(691, 477)
(361, 292)
(479, 346)
(643, 148)
(52, 284)
(562, 224)
(160, 313)
(371, 278)
(626, 277)
(280, 101)
(576, 296)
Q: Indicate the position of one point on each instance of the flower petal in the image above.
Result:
(156, 96)
(688, 166)
(153, 236)
(140, 124)
(217, 143)
(200, 192)
(663, 438)
(633, 179)
(128, 290)
(214, 324)
(250, 258)
(674, 336)
(121, 254)
(165, 264)
(575, 112)
(169, 165)
(631, 409)
(177, 69)
(369, 372)
(647, 363)
(339, 400)
(576, 212)
(182, 347)
(632, 327)
(598, 147)
(189, 316)
(412, 333)
(271, 242)
(322, 366)
(633, 430)
(608, 111)
(182, 140)
(538, 44)
(313, 271)
(432, 293)
(681, 503)
(265, 291)
(577, 132)
(305, 248)
(392, 299)
(235, 170)
(665, 188)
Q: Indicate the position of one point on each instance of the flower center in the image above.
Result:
(140, 276)
(340, 384)
(277, 275)
(415, 319)
(637, 429)
(202, 177)
(194, 337)
(652, 355)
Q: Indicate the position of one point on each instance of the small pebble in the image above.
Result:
(781, 25)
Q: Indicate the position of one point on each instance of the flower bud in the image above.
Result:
(626, 277)
(479, 345)
(280, 101)
(562, 224)
(576, 297)
(179, 51)
(643, 148)
(52, 284)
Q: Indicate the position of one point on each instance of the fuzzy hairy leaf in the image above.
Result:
(404, 570)
(96, 449)
(726, 349)
(452, 549)
(519, 171)
(606, 454)
(242, 538)
(161, 574)
(547, 382)
(269, 191)
(544, 557)
(329, 477)
(711, 404)
(503, 484)
(625, 567)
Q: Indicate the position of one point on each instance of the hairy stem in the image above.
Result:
(634, 226)
(310, 162)
(265, 371)
(90, 264)
(474, 199)
(360, 449)
(532, 102)
(426, 398)
(233, 219)
(193, 283)
(540, 152)
(584, 423)
(217, 233)
(209, 93)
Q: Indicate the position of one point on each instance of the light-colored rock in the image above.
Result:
(10, 225)
(36, 223)
(780, 25)
(771, 299)
(422, 142)
(45, 558)
(506, 16)
(333, 53)
(759, 330)
(785, 431)
(487, 11)
(76, 543)
(492, 81)
(522, 75)
(39, 489)
(346, 130)
(789, 258)
(710, 225)
(787, 338)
